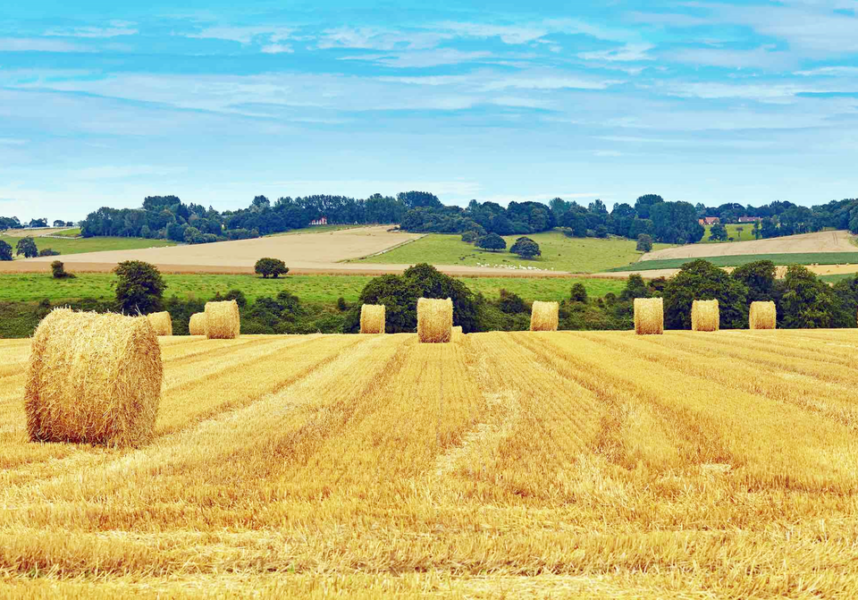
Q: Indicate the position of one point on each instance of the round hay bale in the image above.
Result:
(161, 323)
(197, 324)
(705, 315)
(434, 320)
(93, 379)
(223, 320)
(545, 316)
(649, 316)
(763, 315)
(372, 318)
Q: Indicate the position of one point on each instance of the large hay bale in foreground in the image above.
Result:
(649, 316)
(197, 324)
(162, 323)
(545, 316)
(705, 315)
(223, 320)
(93, 379)
(372, 318)
(763, 315)
(434, 320)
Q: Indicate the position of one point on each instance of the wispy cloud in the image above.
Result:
(11, 44)
(377, 38)
(243, 34)
(762, 58)
(116, 29)
(277, 49)
(628, 53)
(423, 59)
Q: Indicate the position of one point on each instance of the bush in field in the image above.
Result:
(492, 242)
(341, 304)
(511, 303)
(469, 237)
(760, 278)
(139, 288)
(48, 252)
(806, 302)
(5, 251)
(236, 295)
(271, 267)
(526, 248)
(399, 294)
(644, 243)
(578, 293)
(59, 271)
(27, 247)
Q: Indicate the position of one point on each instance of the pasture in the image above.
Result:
(733, 231)
(71, 245)
(810, 258)
(502, 464)
(559, 253)
(34, 287)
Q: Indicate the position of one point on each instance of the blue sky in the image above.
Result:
(103, 103)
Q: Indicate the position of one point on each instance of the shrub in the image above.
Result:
(492, 242)
(644, 243)
(48, 252)
(469, 237)
(5, 251)
(27, 247)
(579, 293)
(341, 304)
(140, 287)
(525, 248)
(511, 303)
(59, 271)
(271, 267)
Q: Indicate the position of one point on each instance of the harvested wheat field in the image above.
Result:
(586, 464)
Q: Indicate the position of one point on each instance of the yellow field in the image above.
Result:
(503, 464)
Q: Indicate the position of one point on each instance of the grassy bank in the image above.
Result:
(812, 258)
(28, 287)
(559, 253)
(96, 244)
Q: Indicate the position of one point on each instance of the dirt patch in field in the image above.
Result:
(305, 254)
(823, 241)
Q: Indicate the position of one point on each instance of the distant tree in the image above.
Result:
(601, 231)
(806, 302)
(38, 223)
(511, 303)
(419, 200)
(636, 287)
(718, 233)
(271, 267)
(701, 280)
(525, 248)
(644, 243)
(27, 247)
(48, 252)
(469, 237)
(236, 295)
(145, 232)
(58, 271)
(579, 293)
(492, 242)
(341, 304)
(59, 223)
(759, 277)
(193, 236)
(846, 297)
(739, 231)
(5, 251)
(756, 231)
(644, 203)
(139, 288)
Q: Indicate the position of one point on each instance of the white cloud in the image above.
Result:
(553, 81)
(509, 34)
(39, 45)
(116, 29)
(244, 35)
(608, 153)
(628, 53)
(277, 49)
(830, 72)
(763, 58)
(375, 38)
(423, 59)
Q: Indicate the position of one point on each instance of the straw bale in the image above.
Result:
(434, 320)
(162, 323)
(705, 315)
(372, 318)
(649, 316)
(545, 316)
(223, 320)
(197, 324)
(763, 315)
(93, 378)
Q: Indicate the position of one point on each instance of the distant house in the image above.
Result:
(750, 219)
(709, 220)
(320, 221)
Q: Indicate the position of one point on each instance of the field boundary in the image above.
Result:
(811, 258)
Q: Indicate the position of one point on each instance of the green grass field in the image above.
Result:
(811, 258)
(746, 235)
(559, 253)
(70, 233)
(95, 244)
(30, 287)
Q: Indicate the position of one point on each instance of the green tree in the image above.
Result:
(636, 287)
(58, 271)
(492, 242)
(846, 299)
(5, 251)
(701, 280)
(271, 267)
(579, 293)
(525, 248)
(718, 233)
(27, 247)
(511, 303)
(139, 287)
(807, 302)
(759, 277)
(469, 237)
(756, 230)
(644, 243)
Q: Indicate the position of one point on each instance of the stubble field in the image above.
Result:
(518, 464)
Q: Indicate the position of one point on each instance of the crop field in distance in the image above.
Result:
(69, 245)
(570, 464)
